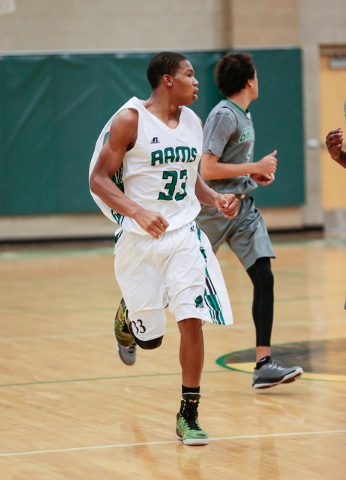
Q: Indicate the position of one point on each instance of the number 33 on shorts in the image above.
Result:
(138, 327)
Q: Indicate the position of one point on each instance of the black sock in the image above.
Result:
(190, 389)
(262, 362)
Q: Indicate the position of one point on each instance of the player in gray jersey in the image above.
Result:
(227, 166)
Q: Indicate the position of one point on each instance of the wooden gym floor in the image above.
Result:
(71, 410)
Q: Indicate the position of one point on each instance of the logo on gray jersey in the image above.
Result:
(248, 133)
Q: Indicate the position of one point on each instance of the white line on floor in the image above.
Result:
(168, 442)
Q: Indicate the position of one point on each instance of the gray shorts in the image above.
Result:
(246, 234)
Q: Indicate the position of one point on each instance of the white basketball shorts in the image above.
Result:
(179, 270)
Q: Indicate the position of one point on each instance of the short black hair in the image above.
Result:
(163, 63)
(233, 71)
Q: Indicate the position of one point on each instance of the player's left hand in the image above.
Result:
(263, 179)
(228, 204)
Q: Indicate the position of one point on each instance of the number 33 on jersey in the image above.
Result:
(160, 171)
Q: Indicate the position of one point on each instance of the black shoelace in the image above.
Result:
(193, 425)
(190, 416)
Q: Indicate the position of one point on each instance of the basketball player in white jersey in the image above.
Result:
(143, 175)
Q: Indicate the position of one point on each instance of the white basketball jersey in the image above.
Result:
(160, 171)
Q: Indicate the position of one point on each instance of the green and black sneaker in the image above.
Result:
(121, 331)
(188, 429)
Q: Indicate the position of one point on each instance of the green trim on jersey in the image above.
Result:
(210, 295)
(245, 113)
(118, 181)
(105, 138)
(117, 217)
(117, 236)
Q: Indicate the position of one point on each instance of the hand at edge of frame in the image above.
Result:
(334, 143)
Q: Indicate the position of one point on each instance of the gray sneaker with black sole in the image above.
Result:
(271, 374)
(127, 354)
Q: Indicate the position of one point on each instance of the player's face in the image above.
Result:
(184, 84)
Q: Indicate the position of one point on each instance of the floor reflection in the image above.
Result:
(286, 410)
(189, 458)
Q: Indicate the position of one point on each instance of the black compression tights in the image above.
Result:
(263, 300)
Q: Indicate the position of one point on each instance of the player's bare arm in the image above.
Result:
(334, 144)
(227, 204)
(211, 169)
(122, 137)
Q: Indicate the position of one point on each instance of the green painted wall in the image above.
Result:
(53, 107)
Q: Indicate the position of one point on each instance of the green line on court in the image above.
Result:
(108, 251)
(221, 361)
(102, 378)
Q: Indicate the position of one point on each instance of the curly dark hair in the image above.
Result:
(163, 63)
(233, 71)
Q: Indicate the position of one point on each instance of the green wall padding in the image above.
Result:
(278, 118)
(53, 108)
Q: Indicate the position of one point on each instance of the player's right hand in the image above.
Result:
(151, 222)
(228, 204)
(267, 165)
(334, 143)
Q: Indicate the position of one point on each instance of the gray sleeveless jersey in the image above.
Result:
(229, 134)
